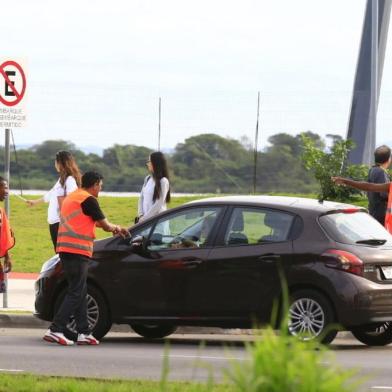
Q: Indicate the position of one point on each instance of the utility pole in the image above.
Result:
(159, 126)
(255, 146)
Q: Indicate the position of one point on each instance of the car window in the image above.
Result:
(249, 226)
(189, 228)
(350, 228)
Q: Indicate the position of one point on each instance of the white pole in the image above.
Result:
(7, 201)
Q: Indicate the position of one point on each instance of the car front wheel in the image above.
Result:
(311, 316)
(374, 335)
(153, 331)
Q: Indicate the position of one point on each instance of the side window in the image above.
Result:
(145, 231)
(249, 226)
(185, 229)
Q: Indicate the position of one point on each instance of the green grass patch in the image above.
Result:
(31, 383)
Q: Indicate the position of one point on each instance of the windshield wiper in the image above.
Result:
(372, 241)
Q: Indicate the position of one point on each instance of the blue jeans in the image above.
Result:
(75, 268)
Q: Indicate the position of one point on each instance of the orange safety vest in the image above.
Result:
(7, 239)
(388, 215)
(76, 231)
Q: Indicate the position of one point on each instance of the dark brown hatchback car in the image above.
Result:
(216, 262)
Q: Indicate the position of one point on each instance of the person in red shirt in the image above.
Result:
(7, 240)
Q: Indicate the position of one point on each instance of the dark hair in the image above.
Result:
(159, 165)
(382, 154)
(90, 178)
(2, 179)
(67, 167)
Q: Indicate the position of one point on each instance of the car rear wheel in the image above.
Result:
(374, 335)
(153, 331)
(97, 314)
(311, 316)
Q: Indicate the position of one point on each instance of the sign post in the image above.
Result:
(12, 115)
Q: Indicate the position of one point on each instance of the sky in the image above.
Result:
(96, 69)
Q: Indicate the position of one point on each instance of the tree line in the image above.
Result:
(206, 163)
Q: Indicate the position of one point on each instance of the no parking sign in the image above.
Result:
(12, 94)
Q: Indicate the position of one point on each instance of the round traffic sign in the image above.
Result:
(12, 89)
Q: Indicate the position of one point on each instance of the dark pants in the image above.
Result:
(54, 228)
(75, 300)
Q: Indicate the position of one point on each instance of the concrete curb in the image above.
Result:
(15, 320)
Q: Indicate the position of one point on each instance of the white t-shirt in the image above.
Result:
(148, 207)
(58, 191)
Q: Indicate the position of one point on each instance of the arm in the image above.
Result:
(33, 202)
(362, 185)
(160, 202)
(105, 225)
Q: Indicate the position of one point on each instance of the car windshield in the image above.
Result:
(350, 228)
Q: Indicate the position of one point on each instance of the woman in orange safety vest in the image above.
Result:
(371, 187)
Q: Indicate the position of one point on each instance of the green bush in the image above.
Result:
(326, 164)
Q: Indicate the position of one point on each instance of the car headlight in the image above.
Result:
(50, 264)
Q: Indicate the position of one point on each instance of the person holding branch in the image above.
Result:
(371, 187)
(69, 181)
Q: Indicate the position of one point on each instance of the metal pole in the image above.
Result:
(159, 126)
(372, 126)
(6, 201)
(255, 147)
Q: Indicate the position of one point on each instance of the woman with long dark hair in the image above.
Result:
(69, 180)
(155, 192)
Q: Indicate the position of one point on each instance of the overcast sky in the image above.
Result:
(96, 69)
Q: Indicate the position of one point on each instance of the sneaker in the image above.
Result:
(87, 339)
(57, 337)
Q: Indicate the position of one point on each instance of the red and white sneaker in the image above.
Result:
(87, 340)
(57, 337)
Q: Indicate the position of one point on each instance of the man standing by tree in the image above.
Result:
(7, 240)
(80, 213)
(378, 175)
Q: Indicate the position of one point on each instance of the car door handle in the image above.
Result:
(191, 262)
(269, 258)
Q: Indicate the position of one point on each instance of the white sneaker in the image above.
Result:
(57, 337)
(87, 339)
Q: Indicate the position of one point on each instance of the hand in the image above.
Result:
(30, 203)
(338, 180)
(121, 231)
(7, 265)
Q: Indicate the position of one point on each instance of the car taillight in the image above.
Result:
(345, 261)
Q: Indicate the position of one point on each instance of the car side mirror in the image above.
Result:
(137, 243)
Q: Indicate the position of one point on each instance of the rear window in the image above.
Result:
(350, 228)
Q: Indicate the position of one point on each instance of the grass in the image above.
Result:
(31, 383)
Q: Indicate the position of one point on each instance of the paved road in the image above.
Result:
(122, 355)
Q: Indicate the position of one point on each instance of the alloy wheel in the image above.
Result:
(306, 318)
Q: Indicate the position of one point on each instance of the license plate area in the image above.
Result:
(387, 272)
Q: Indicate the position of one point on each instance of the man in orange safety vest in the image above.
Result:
(80, 214)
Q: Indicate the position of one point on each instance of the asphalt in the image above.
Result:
(20, 309)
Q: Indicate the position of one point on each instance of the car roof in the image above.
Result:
(284, 202)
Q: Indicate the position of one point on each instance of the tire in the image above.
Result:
(311, 317)
(374, 335)
(97, 314)
(153, 331)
